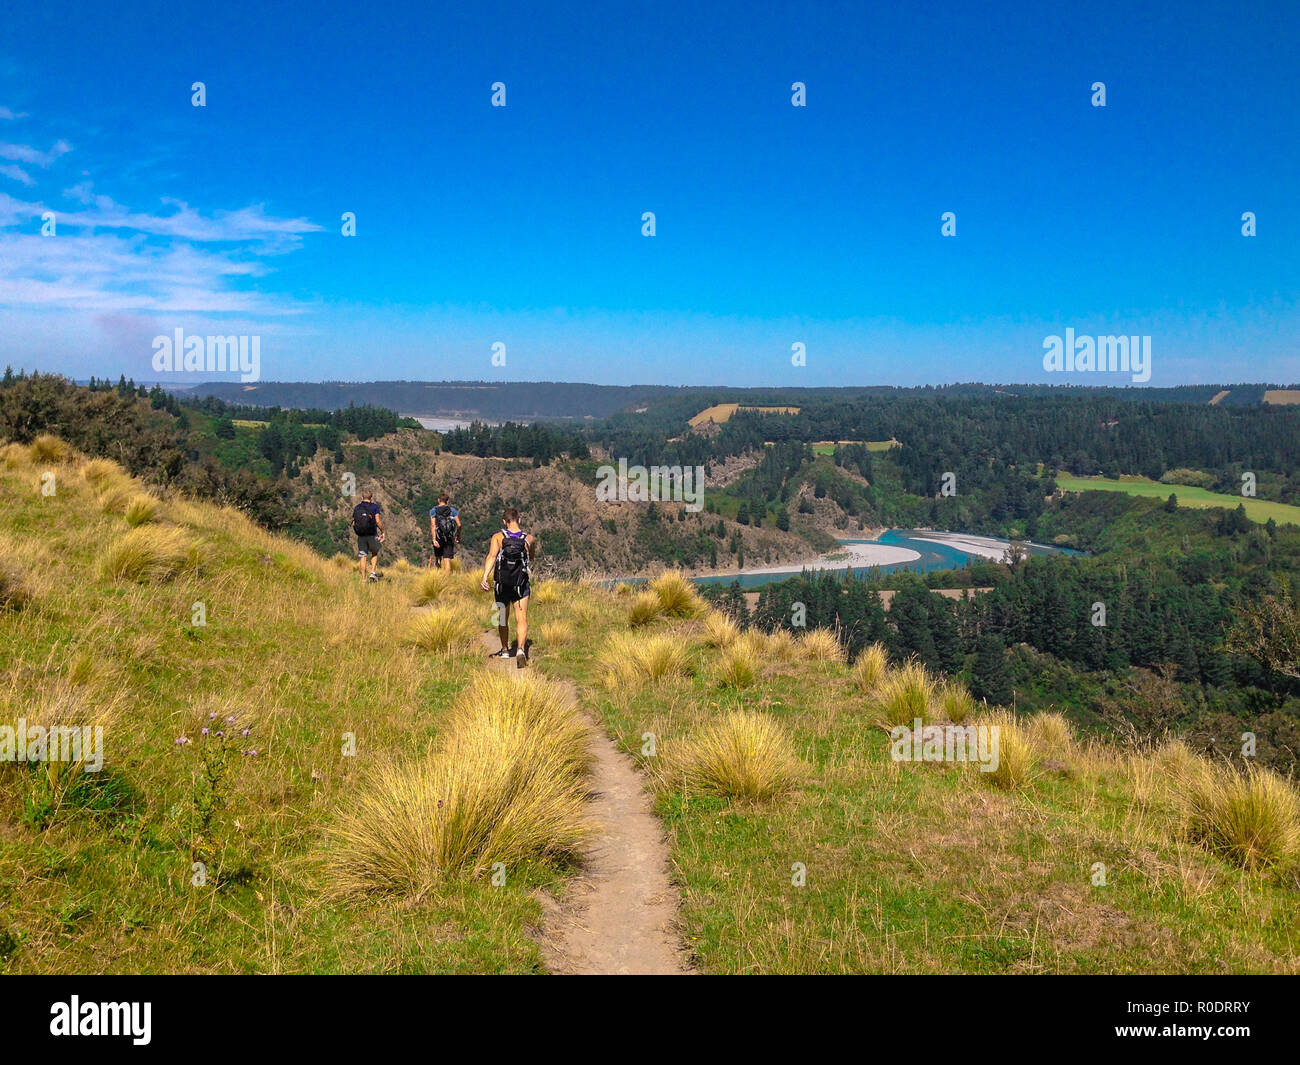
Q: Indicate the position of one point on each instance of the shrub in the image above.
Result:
(740, 756)
(1250, 818)
(440, 630)
(149, 553)
(507, 784)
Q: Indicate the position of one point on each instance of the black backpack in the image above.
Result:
(512, 561)
(363, 520)
(445, 523)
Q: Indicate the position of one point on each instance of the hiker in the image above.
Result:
(510, 556)
(444, 523)
(369, 527)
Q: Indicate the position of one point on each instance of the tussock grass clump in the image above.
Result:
(96, 471)
(140, 509)
(1017, 756)
(738, 668)
(622, 589)
(1050, 733)
(115, 494)
(555, 633)
(15, 590)
(47, 448)
(956, 701)
(677, 596)
(632, 659)
(870, 667)
(544, 592)
(905, 694)
(740, 756)
(14, 455)
(441, 630)
(645, 608)
(149, 553)
(431, 585)
(781, 646)
(821, 645)
(1251, 818)
(719, 629)
(341, 561)
(506, 785)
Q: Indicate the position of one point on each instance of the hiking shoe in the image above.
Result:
(505, 652)
(521, 659)
(374, 576)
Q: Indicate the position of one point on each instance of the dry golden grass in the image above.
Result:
(15, 589)
(622, 589)
(441, 630)
(47, 448)
(14, 456)
(719, 630)
(740, 756)
(506, 785)
(1050, 733)
(1017, 756)
(149, 553)
(140, 509)
(645, 608)
(738, 667)
(905, 695)
(1251, 818)
(555, 633)
(430, 585)
(955, 701)
(96, 471)
(550, 591)
(781, 646)
(822, 645)
(870, 667)
(632, 660)
(677, 596)
(115, 494)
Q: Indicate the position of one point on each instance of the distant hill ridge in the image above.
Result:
(530, 400)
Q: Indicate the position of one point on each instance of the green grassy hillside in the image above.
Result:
(798, 844)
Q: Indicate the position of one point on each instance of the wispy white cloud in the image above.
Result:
(8, 115)
(17, 173)
(25, 153)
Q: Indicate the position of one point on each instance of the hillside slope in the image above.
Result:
(1079, 857)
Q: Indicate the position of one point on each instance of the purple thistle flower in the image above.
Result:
(245, 732)
(203, 732)
(220, 733)
(212, 715)
(230, 720)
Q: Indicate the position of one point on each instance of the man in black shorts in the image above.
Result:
(368, 524)
(509, 560)
(444, 524)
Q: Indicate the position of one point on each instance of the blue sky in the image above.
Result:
(775, 224)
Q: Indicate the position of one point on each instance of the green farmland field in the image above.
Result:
(1259, 510)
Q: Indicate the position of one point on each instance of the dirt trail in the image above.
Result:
(619, 913)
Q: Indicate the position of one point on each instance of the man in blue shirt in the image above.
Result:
(369, 529)
(444, 523)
